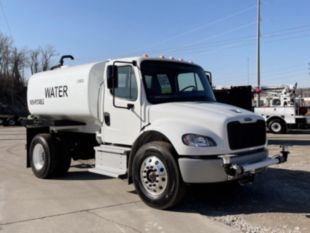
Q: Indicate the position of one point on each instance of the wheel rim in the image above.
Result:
(276, 127)
(153, 175)
(38, 156)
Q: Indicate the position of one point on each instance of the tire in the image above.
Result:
(43, 154)
(156, 176)
(11, 122)
(46, 159)
(277, 126)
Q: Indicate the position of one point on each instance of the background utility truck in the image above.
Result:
(152, 120)
(282, 108)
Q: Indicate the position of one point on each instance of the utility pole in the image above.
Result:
(248, 70)
(258, 53)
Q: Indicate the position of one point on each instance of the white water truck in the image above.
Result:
(154, 121)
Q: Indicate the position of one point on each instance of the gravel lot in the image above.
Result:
(278, 201)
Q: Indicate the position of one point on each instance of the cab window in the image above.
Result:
(127, 84)
(276, 102)
(189, 82)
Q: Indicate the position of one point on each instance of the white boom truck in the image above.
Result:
(282, 108)
(152, 120)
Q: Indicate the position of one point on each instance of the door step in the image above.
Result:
(110, 160)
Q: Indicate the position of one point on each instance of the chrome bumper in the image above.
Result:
(227, 167)
(235, 170)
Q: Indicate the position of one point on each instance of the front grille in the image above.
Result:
(246, 135)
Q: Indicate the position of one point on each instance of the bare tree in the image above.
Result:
(18, 63)
(13, 63)
(47, 54)
(40, 59)
(5, 53)
(34, 56)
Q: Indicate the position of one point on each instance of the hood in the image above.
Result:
(208, 119)
(201, 111)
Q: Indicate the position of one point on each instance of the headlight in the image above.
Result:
(197, 140)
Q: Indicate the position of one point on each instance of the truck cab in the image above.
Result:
(282, 108)
(154, 121)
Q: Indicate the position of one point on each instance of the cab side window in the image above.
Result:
(127, 84)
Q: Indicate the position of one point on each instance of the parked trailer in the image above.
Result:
(154, 121)
(240, 96)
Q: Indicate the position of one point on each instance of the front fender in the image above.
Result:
(175, 129)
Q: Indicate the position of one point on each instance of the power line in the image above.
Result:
(228, 46)
(222, 19)
(267, 37)
(241, 41)
(270, 37)
(212, 36)
(291, 71)
(6, 19)
(297, 28)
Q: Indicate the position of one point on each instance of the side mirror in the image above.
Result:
(209, 77)
(112, 78)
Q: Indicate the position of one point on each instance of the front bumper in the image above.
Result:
(227, 167)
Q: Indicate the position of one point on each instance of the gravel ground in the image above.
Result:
(277, 201)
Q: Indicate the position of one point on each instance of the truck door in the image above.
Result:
(122, 125)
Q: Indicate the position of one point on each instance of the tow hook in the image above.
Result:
(285, 152)
(246, 179)
(232, 170)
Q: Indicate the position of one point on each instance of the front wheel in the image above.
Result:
(277, 126)
(156, 176)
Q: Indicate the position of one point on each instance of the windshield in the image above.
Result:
(173, 81)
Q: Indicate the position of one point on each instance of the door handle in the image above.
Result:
(107, 119)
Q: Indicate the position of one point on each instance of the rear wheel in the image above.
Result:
(46, 157)
(277, 126)
(156, 176)
(43, 156)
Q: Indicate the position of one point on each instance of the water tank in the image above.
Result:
(67, 92)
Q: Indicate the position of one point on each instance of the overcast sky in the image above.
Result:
(217, 34)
